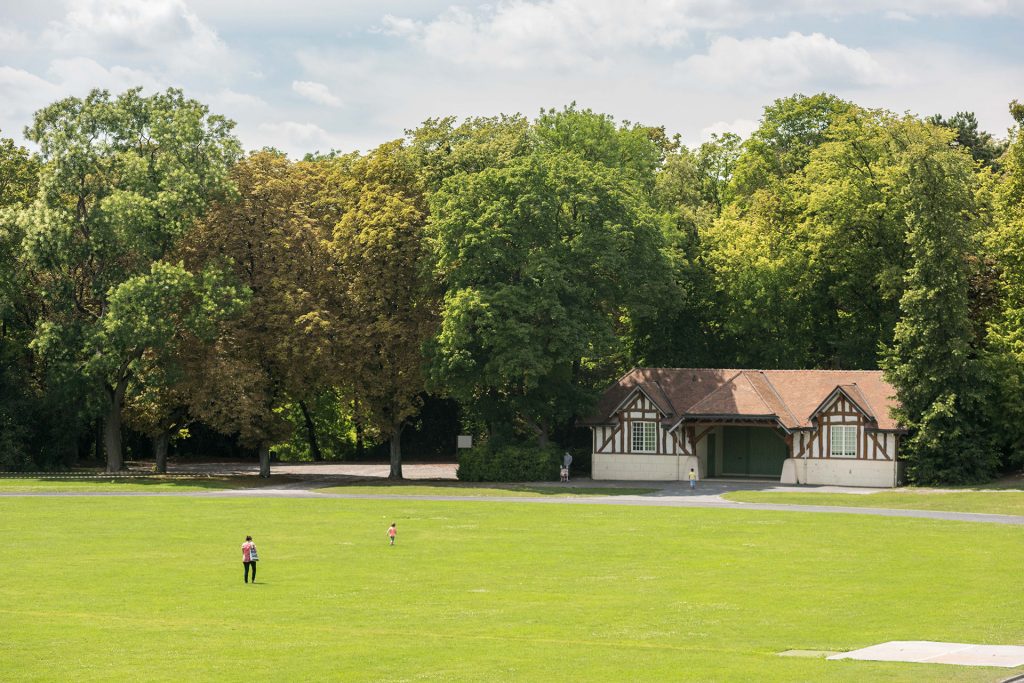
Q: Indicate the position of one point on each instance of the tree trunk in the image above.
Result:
(97, 455)
(314, 445)
(360, 440)
(160, 444)
(396, 453)
(541, 430)
(264, 460)
(112, 427)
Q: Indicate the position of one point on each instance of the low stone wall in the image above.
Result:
(840, 472)
(642, 467)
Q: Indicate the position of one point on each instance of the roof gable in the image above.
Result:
(852, 393)
(644, 389)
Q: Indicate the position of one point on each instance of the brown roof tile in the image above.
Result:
(790, 395)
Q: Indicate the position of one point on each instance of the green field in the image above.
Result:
(996, 502)
(53, 484)
(149, 588)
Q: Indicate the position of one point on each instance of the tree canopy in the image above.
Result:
(499, 269)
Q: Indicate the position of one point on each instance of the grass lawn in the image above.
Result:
(149, 588)
(999, 502)
(136, 483)
(482, 490)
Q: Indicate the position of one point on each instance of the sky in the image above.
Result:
(308, 75)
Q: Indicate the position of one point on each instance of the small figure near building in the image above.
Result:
(693, 479)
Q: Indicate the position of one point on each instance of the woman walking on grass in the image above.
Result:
(249, 558)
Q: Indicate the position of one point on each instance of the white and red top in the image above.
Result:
(391, 531)
(247, 551)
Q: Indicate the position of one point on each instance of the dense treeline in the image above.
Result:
(156, 281)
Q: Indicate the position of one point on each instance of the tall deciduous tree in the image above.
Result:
(383, 261)
(122, 179)
(1006, 333)
(856, 225)
(277, 349)
(542, 260)
(933, 364)
(21, 407)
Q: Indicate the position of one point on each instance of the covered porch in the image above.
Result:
(751, 449)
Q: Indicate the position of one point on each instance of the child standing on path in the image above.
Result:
(392, 531)
(249, 558)
(693, 479)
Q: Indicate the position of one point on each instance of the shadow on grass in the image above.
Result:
(105, 482)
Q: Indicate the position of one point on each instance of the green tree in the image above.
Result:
(1005, 244)
(199, 304)
(791, 129)
(933, 364)
(980, 144)
(122, 179)
(443, 148)
(856, 224)
(759, 249)
(277, 349)
(542, 260)
(20, 400)
(382, 264)
(715, 163)
(636, 151)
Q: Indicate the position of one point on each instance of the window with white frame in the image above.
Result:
(645, 437)
(843, 440)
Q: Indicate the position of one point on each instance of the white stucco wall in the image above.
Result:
(642, 467)
(838, 472)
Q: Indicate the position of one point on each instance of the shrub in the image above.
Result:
(509, 462)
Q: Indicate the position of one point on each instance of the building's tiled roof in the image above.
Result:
(791, 396)
(737, 396)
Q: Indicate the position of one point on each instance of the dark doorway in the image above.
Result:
(712, 452)
(752, 452)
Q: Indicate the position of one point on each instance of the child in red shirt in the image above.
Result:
(391, 533)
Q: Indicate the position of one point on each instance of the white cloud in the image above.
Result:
(12, 39)
(164, 28)
(908, 8)
(297, 138)
(560, 33)
(78, 75)
(233, 99)
(316, 92)
(572, 33)
(741, 127)
(793, 60)
(22, 93)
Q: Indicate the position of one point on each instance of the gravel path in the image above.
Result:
(669, 497)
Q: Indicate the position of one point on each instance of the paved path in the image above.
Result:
(668, 497)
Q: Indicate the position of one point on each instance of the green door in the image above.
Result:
(752, 452)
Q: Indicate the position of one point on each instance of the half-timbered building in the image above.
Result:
(799, 426)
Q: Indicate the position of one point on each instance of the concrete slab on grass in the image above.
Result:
(926, 651)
